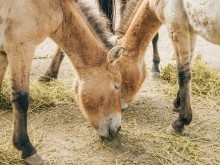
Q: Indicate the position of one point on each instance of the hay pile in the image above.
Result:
(42, 95)
(206, 108)
(205, 80)
(142, 139)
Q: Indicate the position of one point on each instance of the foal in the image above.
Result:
(72, 25)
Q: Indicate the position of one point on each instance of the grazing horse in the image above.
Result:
(108, 8)
(72, 25)
(184, 19)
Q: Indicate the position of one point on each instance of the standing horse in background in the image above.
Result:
(72, 25)
(184, 20)
(109, 9)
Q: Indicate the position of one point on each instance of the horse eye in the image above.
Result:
(117, 86)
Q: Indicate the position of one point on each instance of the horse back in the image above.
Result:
(27, 20)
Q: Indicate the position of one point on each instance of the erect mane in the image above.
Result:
(108, 8)
(131, 8)
(98, 22)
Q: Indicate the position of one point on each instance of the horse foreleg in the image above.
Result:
(3, 67)
(155, 71)
(20, 64)
(52, 71)
(181, 41)
(176, 103)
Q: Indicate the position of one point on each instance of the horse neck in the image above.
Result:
(142, 29)
(78, 40)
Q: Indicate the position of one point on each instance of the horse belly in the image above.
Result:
(203, 16)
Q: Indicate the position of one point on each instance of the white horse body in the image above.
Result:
(202, 17)
(184, 19)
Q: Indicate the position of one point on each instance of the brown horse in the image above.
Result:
(72, 25)
(109, 9)
(132, 76)
(127, 9)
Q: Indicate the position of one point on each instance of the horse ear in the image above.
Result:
(115, 53)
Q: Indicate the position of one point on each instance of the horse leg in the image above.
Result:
(155, 71)
(181, 41)
(20, 59)
(3, 67)
(52, 71)
(176, 103)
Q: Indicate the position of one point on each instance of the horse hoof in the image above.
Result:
(154, 76)
(35, 159)
(171, 130)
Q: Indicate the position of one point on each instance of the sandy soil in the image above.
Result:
(65, 137)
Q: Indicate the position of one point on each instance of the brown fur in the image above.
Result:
(135, 41)
(144, 25)
(128, 11)
(65, 22)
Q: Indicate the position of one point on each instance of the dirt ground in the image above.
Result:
(63, 136)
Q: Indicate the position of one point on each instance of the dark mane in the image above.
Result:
(130, 8)
(108, 8)
(98, 22)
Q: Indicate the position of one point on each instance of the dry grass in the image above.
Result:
(65, 137)
(8, 154)
(204, 147)
(43, 97)
(205, 80)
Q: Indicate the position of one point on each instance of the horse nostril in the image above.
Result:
(114, 133)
